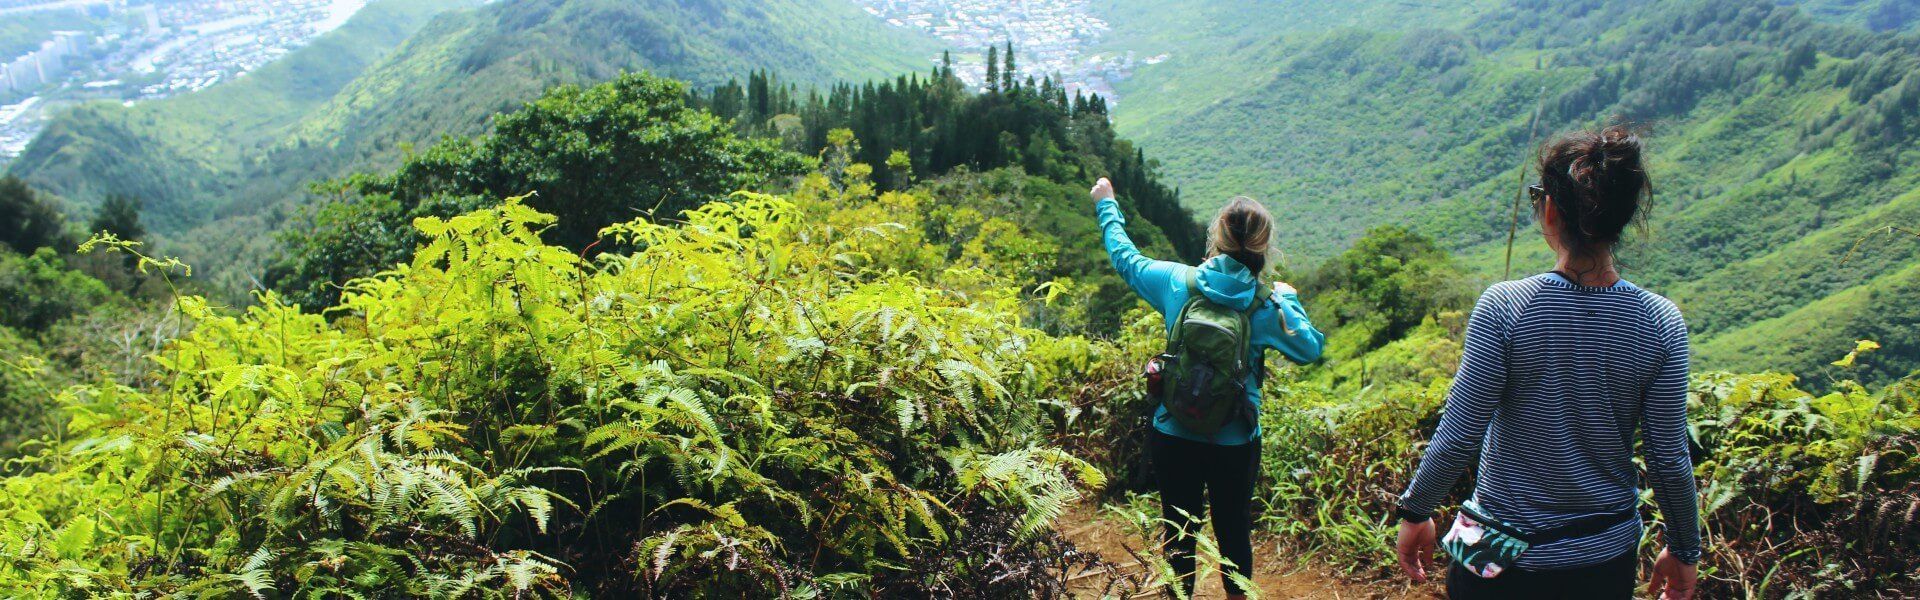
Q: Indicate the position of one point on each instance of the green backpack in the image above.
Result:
(1201, 378)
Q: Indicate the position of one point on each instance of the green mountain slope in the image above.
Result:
(238, 158)
(21, 33)
(460, 70)
(1878, 15)
(183, 154)
(1777, 141)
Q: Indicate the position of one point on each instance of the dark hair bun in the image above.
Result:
(1597, 181)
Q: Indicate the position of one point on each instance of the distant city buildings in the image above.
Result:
(1051, 38)
(138, 51)
(45, 65)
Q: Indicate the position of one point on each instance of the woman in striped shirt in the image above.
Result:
(1557, 373)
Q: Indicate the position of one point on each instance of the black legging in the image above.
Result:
(1187, 473)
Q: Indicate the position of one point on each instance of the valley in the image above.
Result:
(807, 298)
(104, 51)
(1055, 38)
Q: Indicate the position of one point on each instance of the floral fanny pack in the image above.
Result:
(1487, 546)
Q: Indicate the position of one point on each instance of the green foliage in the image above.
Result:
(928, 127)
(1777, 140)
(1009, 219)
(27, 222)
(1804, 493)
(26, 384)
(187, 156)
(40, 290)
(502, 417)
(1877, 15)
(120, 216)
(47, 338)
(592, 156)
(223, 169)
(23, 32)
(1379, 289)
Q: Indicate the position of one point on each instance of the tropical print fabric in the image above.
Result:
(1482, 544)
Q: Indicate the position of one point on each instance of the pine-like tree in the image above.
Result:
(1009, 72)
(993, 69)
(119, 215)
(26, 221)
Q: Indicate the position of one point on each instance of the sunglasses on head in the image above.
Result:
(1537, 194)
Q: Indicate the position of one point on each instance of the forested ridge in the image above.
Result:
(903, 390)
(770, 337)
(1778, 141)
(399, 76)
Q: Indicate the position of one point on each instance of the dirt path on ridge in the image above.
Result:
(1279, 578)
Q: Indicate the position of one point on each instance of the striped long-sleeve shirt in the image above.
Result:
(1554, 380)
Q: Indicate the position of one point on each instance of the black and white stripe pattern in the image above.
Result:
(1553, 382)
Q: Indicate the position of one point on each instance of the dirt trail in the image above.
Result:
(1278, 577)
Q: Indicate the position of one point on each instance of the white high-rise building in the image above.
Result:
(45, 65)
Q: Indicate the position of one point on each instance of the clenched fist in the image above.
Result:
(1102, 190)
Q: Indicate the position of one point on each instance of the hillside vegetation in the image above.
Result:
(402, 74)
(821, 389)
(627, 336)
(184, 155)
(1011, 159)
(1778, 142)
(486, 420)
(1877, 15)
(69, 318)
(24, 32)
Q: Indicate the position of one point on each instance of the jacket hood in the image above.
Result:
(1228, 283)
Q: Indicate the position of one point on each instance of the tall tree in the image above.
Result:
(1007, 72)
(119, 215)
(993, 69)
(26, 221)
(592, 156)
(941, 125)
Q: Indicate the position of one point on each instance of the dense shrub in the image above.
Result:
(1803, 493)
(593, 156)
(781, 396)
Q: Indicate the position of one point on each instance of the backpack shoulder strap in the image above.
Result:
(1260, 295)
(1192, 280)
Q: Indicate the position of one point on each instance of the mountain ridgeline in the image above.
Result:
(1019, 155)
(540, 325)
(937, 125)
(1777, 142)
(403, 74)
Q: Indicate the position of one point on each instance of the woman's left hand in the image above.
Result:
(1102, 190)
(1282, 288)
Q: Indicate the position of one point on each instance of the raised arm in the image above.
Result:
(1476, 392)
(1153, 280)
(1663, 435)
(1296, 338)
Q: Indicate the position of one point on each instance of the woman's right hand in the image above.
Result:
(1415, 548)
(1282, 288)
(1102, 190)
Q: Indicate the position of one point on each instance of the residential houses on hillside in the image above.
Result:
(146, 50)
(1052, 38)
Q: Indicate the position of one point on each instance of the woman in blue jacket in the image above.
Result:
(1188, 467)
